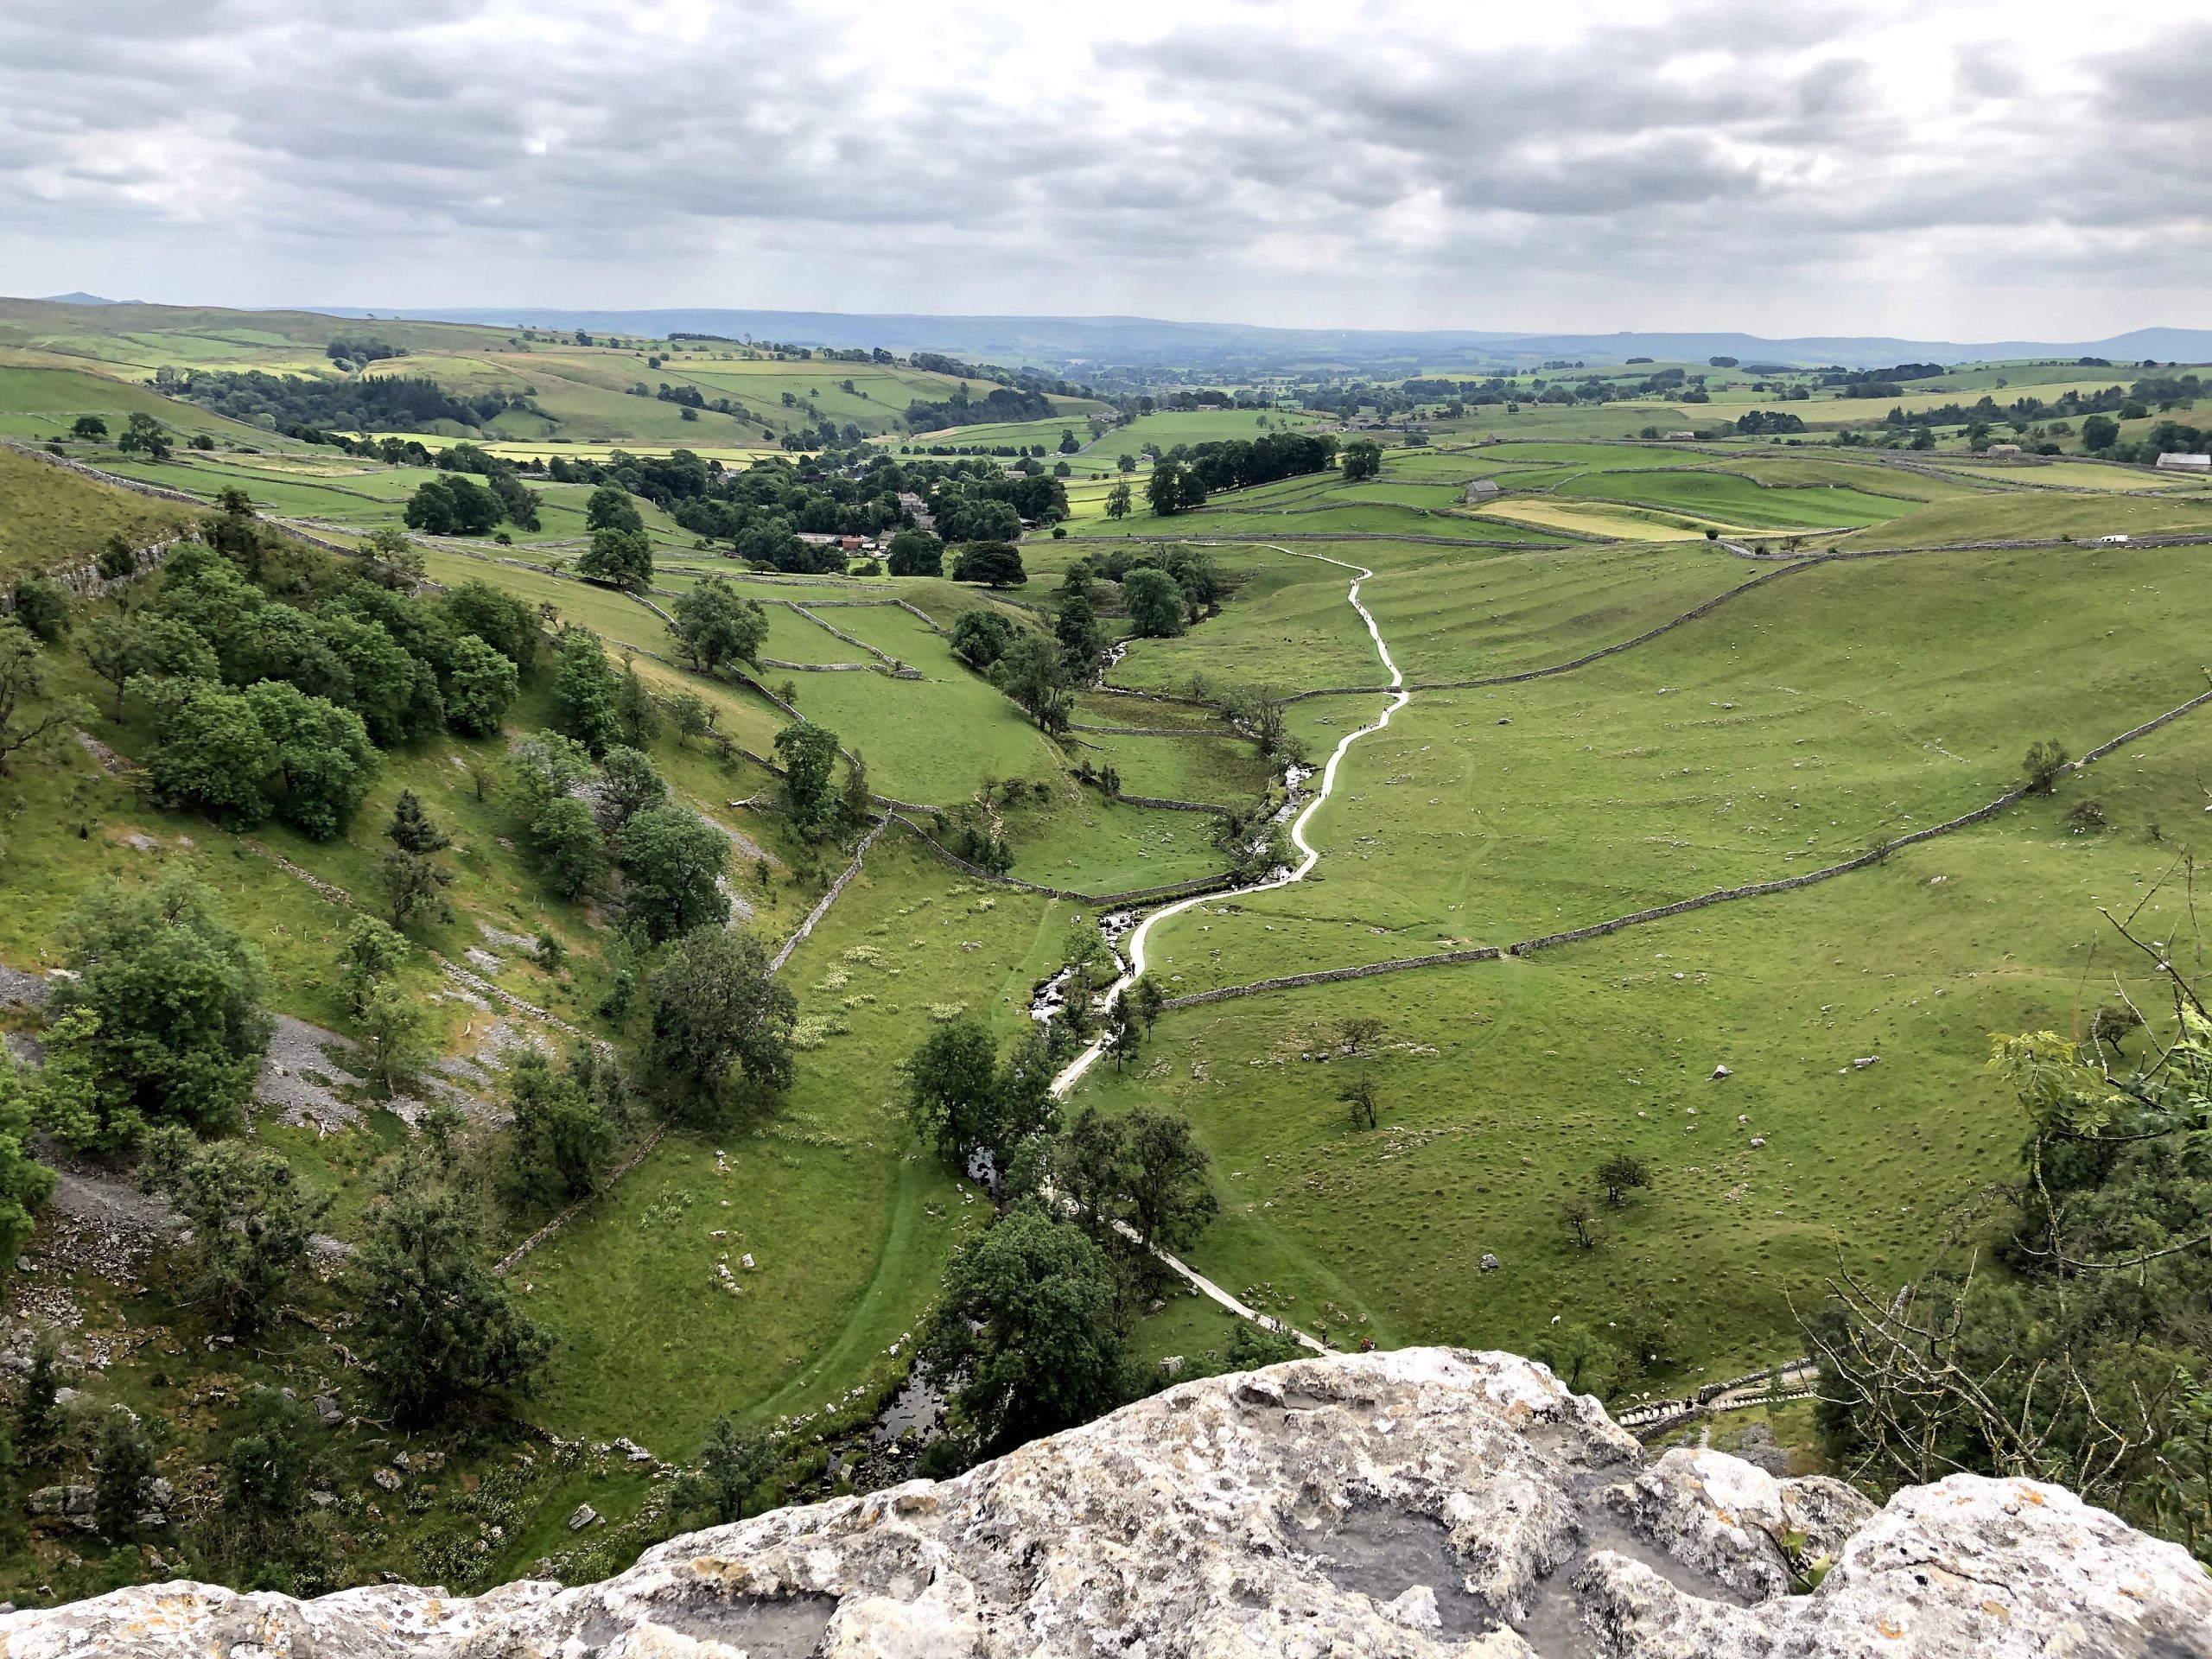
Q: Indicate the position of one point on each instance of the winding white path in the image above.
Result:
(1398, 697)
(1075, 1069)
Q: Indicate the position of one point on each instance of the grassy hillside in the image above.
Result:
(51, 518)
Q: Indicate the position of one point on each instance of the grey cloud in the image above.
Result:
(451, 150)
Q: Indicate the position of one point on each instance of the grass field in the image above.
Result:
(2078, 476)
(50, 518)
(847, 1222)
(1724, 498)
(2024, 515)
(1756, 742)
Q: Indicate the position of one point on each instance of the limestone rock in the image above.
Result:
(1407, 1505)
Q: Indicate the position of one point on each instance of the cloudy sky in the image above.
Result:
(1935, 168)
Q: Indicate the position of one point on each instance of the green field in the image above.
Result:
(1726, 498)
(848, 1225)
(1753, 743)
(54, 519)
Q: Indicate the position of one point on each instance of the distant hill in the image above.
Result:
(1073, 340)
(79, 298)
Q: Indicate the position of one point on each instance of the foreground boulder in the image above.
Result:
(1427, 1502)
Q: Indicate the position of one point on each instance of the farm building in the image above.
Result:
(2179, 460)
(1678, 437)
(2003, 452)
(1483, 489)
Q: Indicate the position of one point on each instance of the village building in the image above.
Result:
(1483, 489)
(2181, 461)
(2003, 452)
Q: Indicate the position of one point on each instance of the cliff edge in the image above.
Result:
(1424, 1502)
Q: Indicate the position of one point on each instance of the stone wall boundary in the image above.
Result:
(1166, 805)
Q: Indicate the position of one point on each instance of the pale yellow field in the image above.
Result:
(1621, 524)
(2082, 475)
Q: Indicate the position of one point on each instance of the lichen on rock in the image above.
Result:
(1428, 1502)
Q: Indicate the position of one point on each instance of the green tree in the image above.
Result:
(995, 564)
(24, 728)
(120, 648)
(1142, 1169)
(177, 993)
(37, 1400)
(143, 434)
(567, 833)
(1164, 489)
(610, 508)
(88, 428)
(386, 678)
(693, 716)
(629, 783)
(323, 756)
(482, 686)
(267, 1472)
(950, 1088)
(210, 752)
(1024, 1336)
(672, 861)
(1154, 599)
(413, 882)
(583, 691)
(1033, 672)
(390, 560)
(25, 1184)
(636, 714)
(1363, 459)
(452, 506)
(2045, 759)
(1621, 1175)
(500, 620)
(714, 624)
(440, 1329)
(916, 553)
(623, 558)
(565, 1125)
(372, 953)
(123, 1473)
(45, 606)
(251, 1221)
(980, 637)
(2100, 432)
(1075, 625)
(809, 754)
(542, 768)
(720, 1018)
(1125, 464)
(395, 1038)
(721, 1487)
(1118, 500)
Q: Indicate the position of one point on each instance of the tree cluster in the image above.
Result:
(262, 703)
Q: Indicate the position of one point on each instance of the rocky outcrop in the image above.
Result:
(1425, 1503)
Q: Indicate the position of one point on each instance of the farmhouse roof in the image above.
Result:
(2183, 461)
